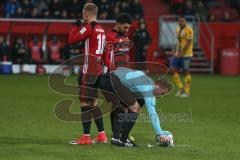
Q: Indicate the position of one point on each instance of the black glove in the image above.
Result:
(77, 22)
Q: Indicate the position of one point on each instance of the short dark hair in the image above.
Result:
(124, 18)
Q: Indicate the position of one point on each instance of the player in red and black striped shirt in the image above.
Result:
(118, 45)
(94, 36)
(116, 53)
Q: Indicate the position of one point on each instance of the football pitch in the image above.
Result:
(205, 126)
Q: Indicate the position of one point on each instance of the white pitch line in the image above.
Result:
(175, 145)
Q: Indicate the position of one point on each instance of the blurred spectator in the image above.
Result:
(188, 10)
(103, 15)
(108, 9)
(201, 10)
(4, 50)
(212, 3)
(235, 4)
(124, 6)
(11, 8)
(115, 13)
(56, 8)
(141, 40)
(35, 47)
(19, 13)
(212, 18)
(27, 7)
(177, 6)
(1, 8)
(46, 14)
(136, 10)
(104, 7)
(54, 46)
(34, 13)
(226, 17)
(75, 8)
(20, 52)
(41, 6)
(64, 14)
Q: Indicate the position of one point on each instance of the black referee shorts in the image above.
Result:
(111, 83)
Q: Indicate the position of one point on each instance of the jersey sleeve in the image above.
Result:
(150, 105)
(177, 31)
(150, 101)
(189, 34)
(78, 34)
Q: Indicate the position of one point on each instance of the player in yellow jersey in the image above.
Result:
(182, 59)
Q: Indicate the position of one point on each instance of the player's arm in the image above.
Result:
(108, 52)
(189, 41)
(178, 52)
(78, 34)
(151, 104)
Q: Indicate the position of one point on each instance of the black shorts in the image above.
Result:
(88, 87)
(112, 84)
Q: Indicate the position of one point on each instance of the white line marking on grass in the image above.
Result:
(177, 145)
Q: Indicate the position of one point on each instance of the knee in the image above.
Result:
(94, 102)
(86, 103)
(135, 108)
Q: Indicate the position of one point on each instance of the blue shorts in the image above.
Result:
(181, 63)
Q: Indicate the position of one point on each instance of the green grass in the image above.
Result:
(30, 130)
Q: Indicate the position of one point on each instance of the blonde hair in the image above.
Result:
(90, 8)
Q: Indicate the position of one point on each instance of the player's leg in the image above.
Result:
(98, 119)
(174, 65)
(112, 117)
(120, 133)
(89, 109)
(86, 116)
(187, 76)
(105, 84)
(107, 90)
(117, 125)
(92, 92)
(141, 103)
(128, 99)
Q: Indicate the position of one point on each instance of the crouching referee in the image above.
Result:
(133, 88)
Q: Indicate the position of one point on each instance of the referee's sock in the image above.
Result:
(118, 123)
(86, 119)
(128, 124)
(97, 116)
(112, 118)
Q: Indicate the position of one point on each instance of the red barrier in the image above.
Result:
(229, 62)
(28, 28)
(59, 28)
(4, 27)
(226, 35)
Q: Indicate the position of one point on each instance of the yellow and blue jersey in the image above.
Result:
(183, 35)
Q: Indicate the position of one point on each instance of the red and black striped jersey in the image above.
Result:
(95, 39)
(117, 49)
